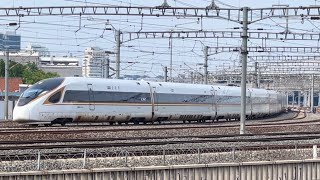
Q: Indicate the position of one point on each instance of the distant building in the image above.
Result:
(13, 84)
(59, 61)
(36, 48)
(94, 63)
(64, 66)
(63, 71)
(22, 57)
(31, 54)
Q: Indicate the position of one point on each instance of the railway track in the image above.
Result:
(152, 141)
(135, 128)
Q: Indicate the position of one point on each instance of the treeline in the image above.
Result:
(29, 73)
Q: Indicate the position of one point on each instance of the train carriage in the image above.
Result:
(77, 99)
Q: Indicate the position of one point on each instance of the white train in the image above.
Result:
(76, 99)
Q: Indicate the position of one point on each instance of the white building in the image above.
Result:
(65, 66)
(94, 63)
(36, 48)
(59, 61)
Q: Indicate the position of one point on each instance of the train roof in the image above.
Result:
(165, 84)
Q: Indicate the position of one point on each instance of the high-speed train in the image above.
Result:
(77, 99)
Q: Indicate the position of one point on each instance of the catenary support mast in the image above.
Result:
(244, 57)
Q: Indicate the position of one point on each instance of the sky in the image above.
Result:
(63, 35)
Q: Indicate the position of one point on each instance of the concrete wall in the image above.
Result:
(280, 170)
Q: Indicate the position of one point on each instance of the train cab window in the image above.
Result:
(55, 98)
(39, 89)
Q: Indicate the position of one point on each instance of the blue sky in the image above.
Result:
(60, 34)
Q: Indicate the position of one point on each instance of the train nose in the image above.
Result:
(21, 114)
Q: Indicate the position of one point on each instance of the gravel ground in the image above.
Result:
(161, 133)
(238, 156)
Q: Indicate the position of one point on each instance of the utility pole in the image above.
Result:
(305, 98)
(205, 65)
(256, 85)
(293, 98)
(108, 68)
(170, 44)
(299, 98)
(244, 55)
(192, 78)
(259, 76)
(165, 74)
(118, 54)
(287, 99)
(6, 74)
(312, 92)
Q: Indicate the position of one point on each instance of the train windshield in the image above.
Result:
(38, 89)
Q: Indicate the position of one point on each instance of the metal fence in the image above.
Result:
(156, 157)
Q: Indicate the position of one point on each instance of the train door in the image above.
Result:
(154, 99)
(91, 97)
(214, 101)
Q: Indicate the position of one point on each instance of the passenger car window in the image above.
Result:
(38, 89)
(55, 98)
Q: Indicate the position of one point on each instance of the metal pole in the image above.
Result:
(292, 98)
(319, 100)
(164, 157)
(170, 44)
(103, 68)
(309, 97)
(165, 74)
(315, 152)
(6, 74)
(118, 55)
(259, 76)
(312, 91)
(199, 156)
(244, 55)
(256, 75)
(108, 68)
(299, 97)
(192, 78)
(287, 99)
(84, 158)
(38, 160)
(305, 98)
(205, 65)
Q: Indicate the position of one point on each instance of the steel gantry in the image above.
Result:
(219, 34)
(281, 58)
(121, 10)
(231, 14)
(267, 49)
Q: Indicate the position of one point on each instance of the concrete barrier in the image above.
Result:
(284, 170)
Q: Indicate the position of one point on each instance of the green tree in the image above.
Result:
(16, 69)
(29, 73)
